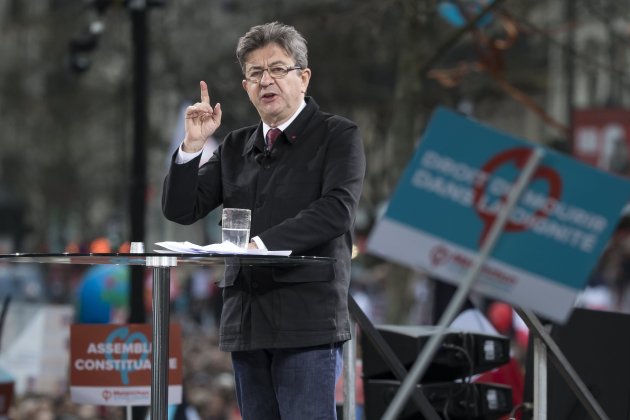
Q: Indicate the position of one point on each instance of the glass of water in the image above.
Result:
(235, 226)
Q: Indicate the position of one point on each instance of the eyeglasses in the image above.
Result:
(276, 72)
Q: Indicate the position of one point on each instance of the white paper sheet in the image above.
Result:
(220, 248)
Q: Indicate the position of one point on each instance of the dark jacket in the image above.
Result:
(303, 198)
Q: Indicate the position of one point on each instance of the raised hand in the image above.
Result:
(201, 121)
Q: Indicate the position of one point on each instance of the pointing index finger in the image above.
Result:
(205, 97)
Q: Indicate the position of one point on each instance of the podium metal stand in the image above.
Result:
(161, 264)
(543, 346)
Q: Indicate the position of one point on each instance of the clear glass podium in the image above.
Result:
(161, 264)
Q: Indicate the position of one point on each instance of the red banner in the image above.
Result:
(601, 137)
(111, 364)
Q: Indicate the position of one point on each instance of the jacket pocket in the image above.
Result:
(306, 302)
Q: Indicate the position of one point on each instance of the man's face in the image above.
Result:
(276, 100)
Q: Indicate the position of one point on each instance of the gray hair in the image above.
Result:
(287, 37)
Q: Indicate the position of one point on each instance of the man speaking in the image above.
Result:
(300, 171)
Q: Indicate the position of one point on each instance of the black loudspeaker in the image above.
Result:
(597, 344)
(452, 400)
(461, 354)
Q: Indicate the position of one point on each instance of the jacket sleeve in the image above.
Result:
(190, 192)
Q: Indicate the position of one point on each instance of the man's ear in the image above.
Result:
(244, 84)
(306, 77)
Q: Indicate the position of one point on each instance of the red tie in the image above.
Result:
(272, 135)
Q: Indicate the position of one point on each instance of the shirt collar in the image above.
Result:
(284, 125)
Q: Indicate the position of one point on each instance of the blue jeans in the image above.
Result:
(288, 384)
